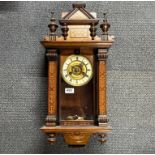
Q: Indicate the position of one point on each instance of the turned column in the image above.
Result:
(92, 31)
(52, 87)
(65, 30)
(102, 110)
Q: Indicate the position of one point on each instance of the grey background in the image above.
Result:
(23, 77)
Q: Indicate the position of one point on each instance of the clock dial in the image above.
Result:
(77, 70)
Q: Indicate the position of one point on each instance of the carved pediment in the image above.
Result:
(79, 23)
(78, 12)
(78, 15)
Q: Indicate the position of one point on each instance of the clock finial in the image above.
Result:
(52, 13)
(104, 14)
(53, 27)
(105, 27)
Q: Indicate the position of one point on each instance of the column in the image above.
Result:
(52, 87)
(102, 110)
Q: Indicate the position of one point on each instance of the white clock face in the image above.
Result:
(77, 70)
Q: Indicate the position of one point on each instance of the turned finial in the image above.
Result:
(52, 13)
(105, 27)
(65, 30)
(92, 31)
(53, 27)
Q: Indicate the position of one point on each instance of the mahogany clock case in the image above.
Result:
(78, 115)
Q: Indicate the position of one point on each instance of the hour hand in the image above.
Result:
(84, 74)
(81, 64)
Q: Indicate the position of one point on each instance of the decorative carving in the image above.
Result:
(79, 5)
(102, 56)
(53, 27)
(50, 120)
(52, 55)
(76, 138)
(105, 27)
(65, 30)
(102, 119)
(79, 32)
(52, 138)
(102, 88)
(102, 137)
(76, 135)
(81, 17)
(93, 31)
(77, 123)
(61, 44)
(52, 87)
(76, 9)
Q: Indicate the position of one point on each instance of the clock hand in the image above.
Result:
(70, 73)
(81, 64)
(84, 74)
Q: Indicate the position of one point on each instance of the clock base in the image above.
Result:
(76, 135)
(76, 138)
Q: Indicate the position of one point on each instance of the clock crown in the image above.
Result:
(53, 27)
(105, 27)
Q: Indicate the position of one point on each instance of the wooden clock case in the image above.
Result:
(78, 38)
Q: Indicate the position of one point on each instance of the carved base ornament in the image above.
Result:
(77, 107)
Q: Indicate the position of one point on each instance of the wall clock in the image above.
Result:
(77, 77)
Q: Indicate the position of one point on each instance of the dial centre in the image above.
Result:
(76, 70)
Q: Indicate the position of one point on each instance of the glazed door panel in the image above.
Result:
(79, 102)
